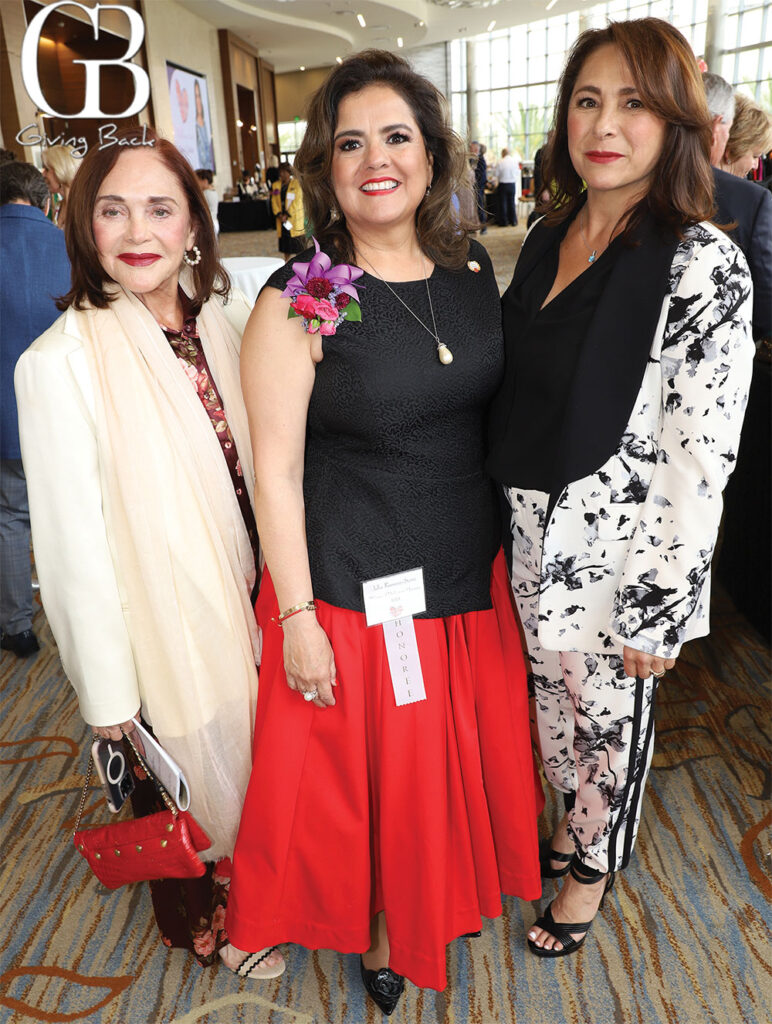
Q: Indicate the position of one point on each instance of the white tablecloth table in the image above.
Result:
(249, 273)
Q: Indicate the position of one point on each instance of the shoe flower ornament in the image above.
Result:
(323, 294)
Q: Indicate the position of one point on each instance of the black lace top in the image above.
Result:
(542, 349)
(395, 442)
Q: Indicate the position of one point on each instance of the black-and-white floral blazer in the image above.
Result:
(628, 545)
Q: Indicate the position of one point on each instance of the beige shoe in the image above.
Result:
(253, 965)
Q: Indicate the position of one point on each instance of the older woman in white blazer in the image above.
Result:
(629, 352)
(137, 456)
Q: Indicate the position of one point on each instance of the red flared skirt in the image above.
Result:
(427, 811)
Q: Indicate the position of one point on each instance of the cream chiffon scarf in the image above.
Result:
(183, 560)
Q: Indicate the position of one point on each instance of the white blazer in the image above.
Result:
(82, 592)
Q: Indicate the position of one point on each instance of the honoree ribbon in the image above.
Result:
(392, 601)
(404, 662)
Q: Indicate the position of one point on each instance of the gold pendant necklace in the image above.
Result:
(444, 354)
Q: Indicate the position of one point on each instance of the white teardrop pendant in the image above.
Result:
(444, 354)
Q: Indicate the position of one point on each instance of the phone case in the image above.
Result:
(114, 772)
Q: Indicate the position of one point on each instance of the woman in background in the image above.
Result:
(204, 145)
(627, 330)
(247, 187)
(287, 206)
(59, 169)
(750, 137)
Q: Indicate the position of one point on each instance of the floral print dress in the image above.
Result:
(190, 912)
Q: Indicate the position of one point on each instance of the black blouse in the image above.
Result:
(395, 445)
(542, 347)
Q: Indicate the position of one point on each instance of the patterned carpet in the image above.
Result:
(683, 939)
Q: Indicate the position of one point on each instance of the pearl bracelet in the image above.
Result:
(304, 606)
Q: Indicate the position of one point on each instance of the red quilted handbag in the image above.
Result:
(161, 845)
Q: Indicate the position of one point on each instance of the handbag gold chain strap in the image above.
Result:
(170, 805)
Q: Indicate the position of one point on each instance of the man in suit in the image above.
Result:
(34, 269)
(745, 202)
(746, 543)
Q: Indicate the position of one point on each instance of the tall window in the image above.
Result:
(516, 71)
(290, 136)
(515, 77)
(747, 62)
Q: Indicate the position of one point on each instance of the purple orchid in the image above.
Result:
(319, 277)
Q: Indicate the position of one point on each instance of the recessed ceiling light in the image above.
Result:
(339, 60)
(361, 20)
(493, 23)
(551, 4)
(400, 43)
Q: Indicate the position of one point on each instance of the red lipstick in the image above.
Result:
(139, 259)
(602, 157)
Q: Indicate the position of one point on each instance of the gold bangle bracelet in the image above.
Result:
(304, 606)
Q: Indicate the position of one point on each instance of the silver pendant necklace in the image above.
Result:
(444, 354)
(593, 252)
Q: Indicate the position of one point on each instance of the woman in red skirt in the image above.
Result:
(393, 794)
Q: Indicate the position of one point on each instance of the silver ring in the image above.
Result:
(310, 695)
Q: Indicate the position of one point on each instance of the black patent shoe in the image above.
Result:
(384, 986)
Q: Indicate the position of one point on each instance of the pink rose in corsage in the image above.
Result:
(323, 295)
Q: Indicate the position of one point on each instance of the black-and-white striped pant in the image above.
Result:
(595, 725)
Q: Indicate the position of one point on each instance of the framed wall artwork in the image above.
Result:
(191, 117)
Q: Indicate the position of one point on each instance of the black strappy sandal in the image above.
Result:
(546, 854)
(562, 930)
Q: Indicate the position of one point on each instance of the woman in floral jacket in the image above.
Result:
(628, 364)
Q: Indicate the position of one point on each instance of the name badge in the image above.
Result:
(394, 597)
(391, 601)
(404, 663)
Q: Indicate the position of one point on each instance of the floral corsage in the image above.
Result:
(322, 294)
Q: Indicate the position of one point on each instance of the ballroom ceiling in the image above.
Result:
(312, 33)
